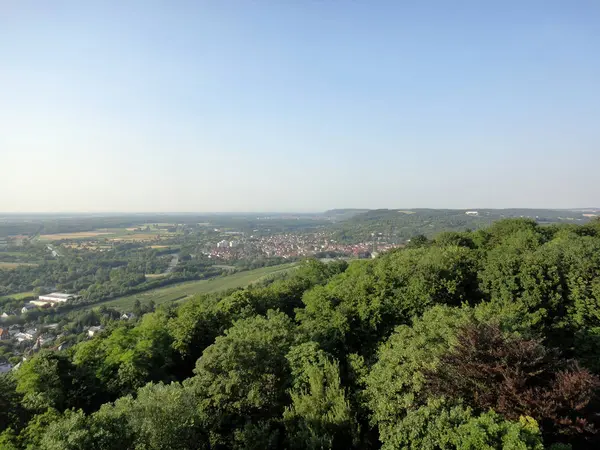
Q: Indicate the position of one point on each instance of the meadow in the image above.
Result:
(19, 296)
(182, 291)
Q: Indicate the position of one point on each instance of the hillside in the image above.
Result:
(485, 339)
(402, 224)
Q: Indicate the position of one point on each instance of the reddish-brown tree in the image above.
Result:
(517, 377)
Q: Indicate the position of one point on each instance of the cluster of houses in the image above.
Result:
(31, 339)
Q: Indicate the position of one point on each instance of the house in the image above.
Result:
(4, 334)
(23, 337)
(94, 330)
(472, 213)
(27, 307)
(5, 367)
(127, 316)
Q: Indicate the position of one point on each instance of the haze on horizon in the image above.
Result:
(298, 106)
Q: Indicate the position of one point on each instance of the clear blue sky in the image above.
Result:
(298, 105)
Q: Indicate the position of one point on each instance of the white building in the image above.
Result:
(472, 213)
(93, 330)
(20, 337)
(222, 244)
(56, 298)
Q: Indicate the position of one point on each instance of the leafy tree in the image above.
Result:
(160, 417)
(396, 383)
(241, 380)
(515, 377)
(320, 417)
(438, 425)
(12, 413)
(51, 380)
(129, 357)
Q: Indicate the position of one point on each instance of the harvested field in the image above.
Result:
(138, 237)
(77, 235)
(13, 265)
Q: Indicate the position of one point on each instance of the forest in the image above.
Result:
(486, 339)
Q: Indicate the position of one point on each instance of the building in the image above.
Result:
(4, 334)
(27, 307)
(222, 244)
(472, 213)
(56, 298)
(20, 337)
(93, 330)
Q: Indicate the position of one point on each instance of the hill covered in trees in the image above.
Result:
(399, 225)
(486, 339)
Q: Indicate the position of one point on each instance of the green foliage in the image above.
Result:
(160, 417)
(361, 306)
(437, 425)
(320, 417)
(12, 413)
(243, 377)
(377, 353)
(51, 380)
(129, 357)
(396, 383)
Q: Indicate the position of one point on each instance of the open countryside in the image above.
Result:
(185, 290)
(299, 225)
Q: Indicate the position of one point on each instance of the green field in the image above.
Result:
(18, 296)
(183, 290)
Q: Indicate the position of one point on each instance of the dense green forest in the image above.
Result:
(486, 339)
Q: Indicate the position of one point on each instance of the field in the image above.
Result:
(77, 235)
(142, 236)
(13, 265)
(183, 290)
(18, 296)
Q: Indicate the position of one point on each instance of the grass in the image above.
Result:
(13, 265)
(182, 291)
(18, 296)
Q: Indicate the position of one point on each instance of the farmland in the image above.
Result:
(187, 289)
(76, 235)
(13, 265)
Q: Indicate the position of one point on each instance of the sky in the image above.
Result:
(298, 105)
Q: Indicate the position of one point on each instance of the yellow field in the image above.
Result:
(13, 265)
(154, 275)
(139, 237)
(159, 246)
(77, 235)
(406, 212)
